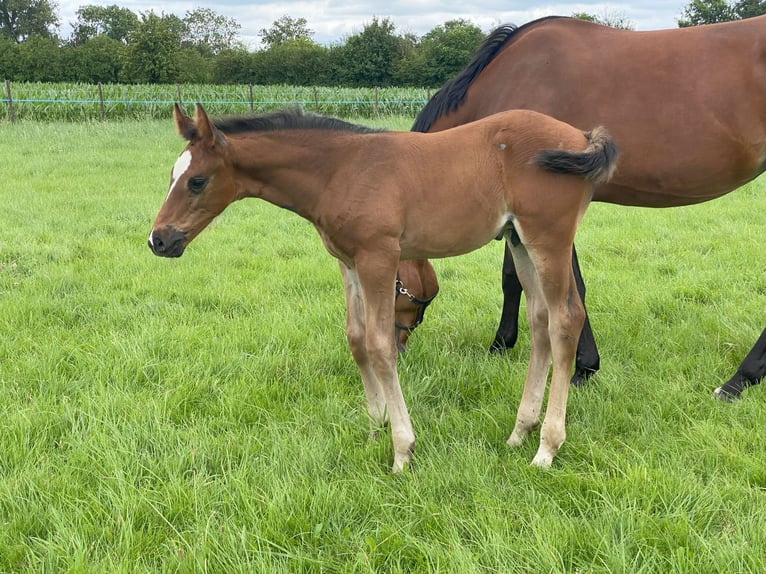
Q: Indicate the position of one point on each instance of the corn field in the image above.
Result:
(86, 102)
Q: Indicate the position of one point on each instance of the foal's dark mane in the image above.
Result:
(287, 119)
(453, 92)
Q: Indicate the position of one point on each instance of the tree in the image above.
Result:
(370, 58)
(440, 54)
(22, 19)
(299, 62)
(152, 53)
(611, 19)
(209, 32)
(284, 30)
(99, 59)
(111, 21)
(699, 12)
(39, 60)
(233, 67)
(749, 8)
(9, 59)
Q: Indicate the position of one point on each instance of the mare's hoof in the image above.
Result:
(724, 396)
(581, 376)
(500, 347)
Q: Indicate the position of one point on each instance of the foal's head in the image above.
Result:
(201, 185)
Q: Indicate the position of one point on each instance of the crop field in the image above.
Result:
(83, 102)
(204, 414)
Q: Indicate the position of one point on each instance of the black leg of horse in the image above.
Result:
(508, 330)
(587, 359)
(749, 373)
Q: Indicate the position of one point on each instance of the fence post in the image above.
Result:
(251, 96)
(101, 102)
(10, 100)
(316, 100)
(377, 114)
(178, 93)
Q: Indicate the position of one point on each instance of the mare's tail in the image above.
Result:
(597, 162)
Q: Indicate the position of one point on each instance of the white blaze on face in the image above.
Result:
(182, 164)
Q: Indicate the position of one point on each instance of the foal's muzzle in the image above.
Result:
(167, 242)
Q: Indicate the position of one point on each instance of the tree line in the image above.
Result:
(110, 44)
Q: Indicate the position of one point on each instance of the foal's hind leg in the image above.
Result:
(587, 361)
(528, 414)
(566, 315)
(556, 322)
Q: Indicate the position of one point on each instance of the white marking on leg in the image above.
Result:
(182, 164)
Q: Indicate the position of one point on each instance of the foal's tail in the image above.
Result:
(596, 163)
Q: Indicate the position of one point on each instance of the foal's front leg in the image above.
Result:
(377, 277)
(356, 335)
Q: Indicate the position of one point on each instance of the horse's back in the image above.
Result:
(687, 107)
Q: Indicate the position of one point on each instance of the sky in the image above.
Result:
(334, 20)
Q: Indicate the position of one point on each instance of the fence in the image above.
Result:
(87, 102)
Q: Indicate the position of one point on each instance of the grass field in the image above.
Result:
(204, 414)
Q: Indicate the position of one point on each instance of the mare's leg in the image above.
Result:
(508, 330)
(356, 335)
(749, 373)
(376, 273)
(587, 361)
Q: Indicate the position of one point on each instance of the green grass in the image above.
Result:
(204, 414)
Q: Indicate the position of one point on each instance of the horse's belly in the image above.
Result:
(433, 238)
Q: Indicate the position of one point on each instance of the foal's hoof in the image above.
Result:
(724, 396)
(542, 460)
(515, 440)
(401, 465)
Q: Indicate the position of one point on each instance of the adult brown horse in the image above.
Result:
(687, 108)
(378, 197)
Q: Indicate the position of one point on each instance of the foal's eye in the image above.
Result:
(197, 184)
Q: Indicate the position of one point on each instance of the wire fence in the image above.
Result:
(87, 102)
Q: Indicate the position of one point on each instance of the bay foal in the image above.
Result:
(378, 197)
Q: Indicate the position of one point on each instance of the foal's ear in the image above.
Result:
(206, 131)
(184, 124)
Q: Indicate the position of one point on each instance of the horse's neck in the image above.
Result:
(287, 169)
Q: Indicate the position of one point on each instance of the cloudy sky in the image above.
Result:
(333, 20)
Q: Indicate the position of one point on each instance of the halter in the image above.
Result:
(422, 304)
